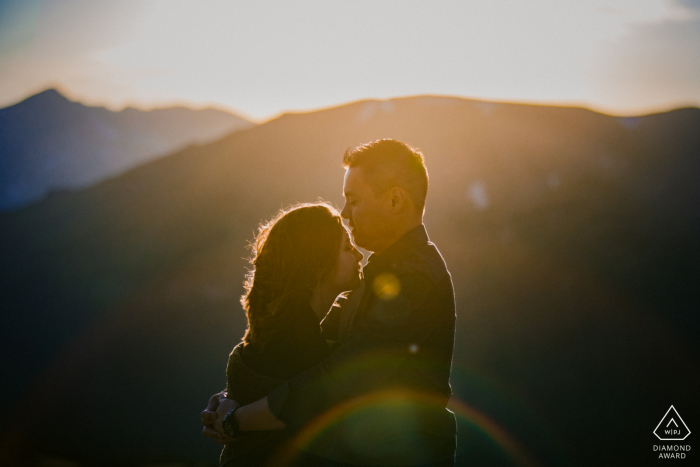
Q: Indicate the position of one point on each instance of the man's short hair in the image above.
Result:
(389, 163)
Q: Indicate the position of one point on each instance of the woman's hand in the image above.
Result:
(210, 417)
(225, 406)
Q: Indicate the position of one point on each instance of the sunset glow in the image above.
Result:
(263, 58)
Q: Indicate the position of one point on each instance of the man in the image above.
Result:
(380, 396)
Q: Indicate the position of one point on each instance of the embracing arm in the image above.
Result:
(252, 417)
(367, 360)
(376, 355)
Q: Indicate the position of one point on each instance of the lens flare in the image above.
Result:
(387, 286)
(396, 399)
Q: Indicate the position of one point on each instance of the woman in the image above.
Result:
(302, 260)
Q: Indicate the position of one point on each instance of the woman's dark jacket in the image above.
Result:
(253, 370)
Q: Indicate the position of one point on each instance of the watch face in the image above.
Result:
(230, 432)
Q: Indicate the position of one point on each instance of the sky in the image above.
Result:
(261, 58)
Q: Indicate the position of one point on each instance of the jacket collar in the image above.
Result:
(414, 237)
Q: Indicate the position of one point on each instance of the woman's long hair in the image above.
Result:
(292, 254)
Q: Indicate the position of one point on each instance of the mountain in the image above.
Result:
(50, 143)
(571, 237)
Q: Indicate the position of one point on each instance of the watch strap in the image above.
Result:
(230, 425)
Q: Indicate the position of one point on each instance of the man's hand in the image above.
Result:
(209, 417)
(224, 407)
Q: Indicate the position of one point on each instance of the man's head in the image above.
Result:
(385, 186)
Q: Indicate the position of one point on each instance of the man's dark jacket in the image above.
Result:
(380, 396)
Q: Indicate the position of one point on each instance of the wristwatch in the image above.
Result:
(230, 424)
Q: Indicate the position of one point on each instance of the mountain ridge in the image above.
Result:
(49, 142)
(574, 280)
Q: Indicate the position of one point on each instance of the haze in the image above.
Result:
(262, 58)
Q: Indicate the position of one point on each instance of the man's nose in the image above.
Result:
(345, 213)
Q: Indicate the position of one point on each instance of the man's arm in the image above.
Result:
(373, 354)
(366, 360)
(252, 417)
(257, 416)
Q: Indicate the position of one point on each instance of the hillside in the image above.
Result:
(50, 143)
(571, 237)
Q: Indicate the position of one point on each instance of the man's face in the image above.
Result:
(368, 213)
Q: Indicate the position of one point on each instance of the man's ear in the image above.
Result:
(398, 197)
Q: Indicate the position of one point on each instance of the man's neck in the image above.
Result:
(399, 233)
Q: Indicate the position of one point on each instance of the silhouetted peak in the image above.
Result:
(50, 96)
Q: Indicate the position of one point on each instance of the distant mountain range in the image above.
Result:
(50, 143)
(571, 236)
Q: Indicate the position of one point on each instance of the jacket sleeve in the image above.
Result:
(377, 354)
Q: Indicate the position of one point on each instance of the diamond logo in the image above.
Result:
(671, 427)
